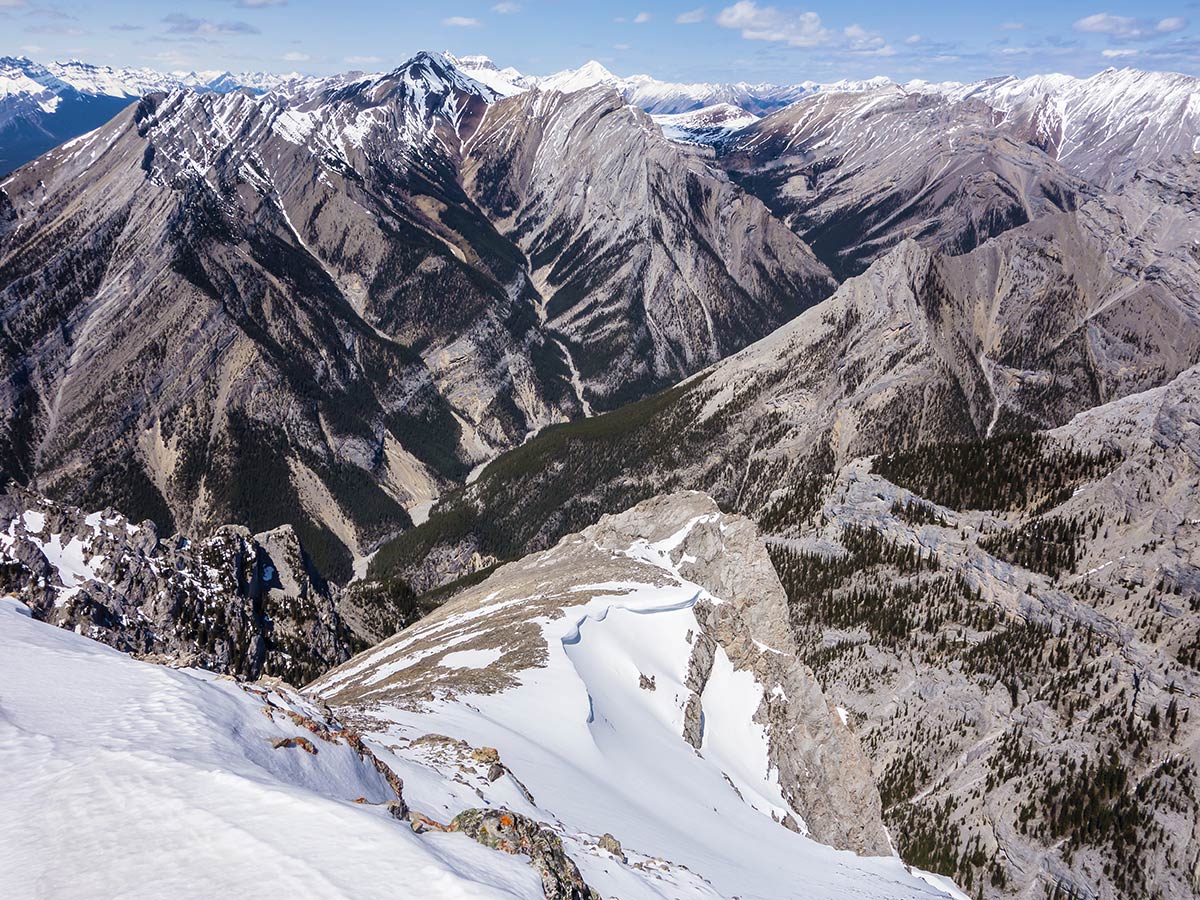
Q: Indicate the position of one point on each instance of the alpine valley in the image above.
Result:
(460, 483)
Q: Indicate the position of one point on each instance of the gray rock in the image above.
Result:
(513, 833)
(610, 844)
(234, 603)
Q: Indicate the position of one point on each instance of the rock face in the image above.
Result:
(856, 169)
(235, 603)
(325, 305)
(820, 766)
(603, 206)
(510, 832)
(1040, 642)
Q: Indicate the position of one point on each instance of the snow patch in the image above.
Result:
(471, 659)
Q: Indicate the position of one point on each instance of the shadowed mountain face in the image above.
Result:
(324, 307)
(649, 265)
(854, 173)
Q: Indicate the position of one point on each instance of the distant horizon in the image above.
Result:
(776, 41)
(383, 69)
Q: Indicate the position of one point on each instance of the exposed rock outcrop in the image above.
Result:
(235, 603)
(509, 832)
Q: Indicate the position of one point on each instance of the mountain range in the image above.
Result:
(41, 106)
(667, 484)
(318, 232)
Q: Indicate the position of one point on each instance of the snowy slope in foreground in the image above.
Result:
(122, 778)
(624, 698)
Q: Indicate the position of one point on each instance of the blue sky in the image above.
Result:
(683, 40)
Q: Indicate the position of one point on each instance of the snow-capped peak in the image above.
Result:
(590, 74)
(504, 82)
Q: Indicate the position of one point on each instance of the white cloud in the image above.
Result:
(506, 9)
(641, 18)
(259, 4)
(621, 46)
(363, 60)
(1127, 27)
(913, 39)
(295, 56)
(766, 23)
(11, 4)
(692, 16)
(460, 22)
(1113, 54)
(179, 23)
(1012, 26)
(862, 41)
(31, 48)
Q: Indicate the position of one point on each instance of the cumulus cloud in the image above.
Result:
(799, 29)
(766, 23)
(460, 22)
(860, 40)
(913, 39)
(641, 18)
(691, 17)
(1128, 28)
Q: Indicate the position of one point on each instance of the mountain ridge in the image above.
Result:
(338, 268)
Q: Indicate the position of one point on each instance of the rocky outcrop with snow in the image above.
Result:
(638, 679)
(133, 777)
(528, 740)
(705, 126)
(235, 603)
